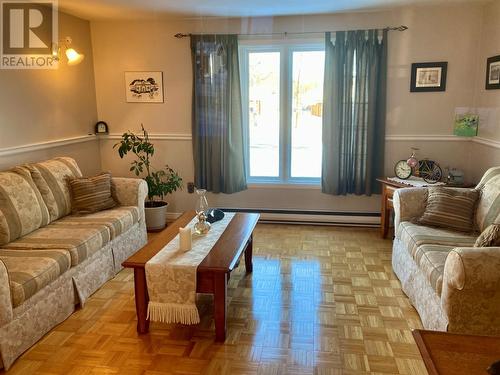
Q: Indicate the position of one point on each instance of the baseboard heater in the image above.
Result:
(311, 217)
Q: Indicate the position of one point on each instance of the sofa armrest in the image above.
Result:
(471, 290)
(5, 298)
(131, 192)
(409, 203)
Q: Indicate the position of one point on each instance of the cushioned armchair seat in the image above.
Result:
(414, 235)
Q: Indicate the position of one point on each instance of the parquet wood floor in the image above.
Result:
(321, 300)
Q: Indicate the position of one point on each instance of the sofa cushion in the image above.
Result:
(117, 220)
(91, 194)
(414, 235)
(31, 270)
(81, 241)
(22, 209)
(51, 179)
(488, 207)
(450, 208)
(430, 260)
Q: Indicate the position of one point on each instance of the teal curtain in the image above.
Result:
(354, 102)
(218, 136)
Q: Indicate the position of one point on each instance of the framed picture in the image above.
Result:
(144, 87)
(466, 124)
(429, 76)
(493, 73)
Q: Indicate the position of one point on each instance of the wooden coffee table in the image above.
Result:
(451, 354)
(213, 272)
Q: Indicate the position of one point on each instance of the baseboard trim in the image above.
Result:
(9, 151)
(339, 218)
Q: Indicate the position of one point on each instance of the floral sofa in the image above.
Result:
(51, 260)
(453, 285)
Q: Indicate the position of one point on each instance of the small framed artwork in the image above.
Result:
(466, 124)
(144, 87)
(429, 76)
(493, 73)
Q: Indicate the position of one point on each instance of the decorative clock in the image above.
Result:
(101, 128)
(402, 169)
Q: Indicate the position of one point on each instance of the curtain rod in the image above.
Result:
(388, 28)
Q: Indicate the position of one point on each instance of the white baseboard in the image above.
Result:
(292, 218)
(343, 220)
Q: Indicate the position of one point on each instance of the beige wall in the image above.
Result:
(485, 156)
(85, 152)
(435, 34)
(44, 105)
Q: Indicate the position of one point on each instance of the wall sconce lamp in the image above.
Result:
(74, 57)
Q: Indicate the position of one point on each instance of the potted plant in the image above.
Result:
(160, 182)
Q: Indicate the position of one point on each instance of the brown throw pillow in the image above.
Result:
(450, 208)
(91, 194)
(489, 237)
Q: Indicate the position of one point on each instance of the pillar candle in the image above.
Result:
(185, 239)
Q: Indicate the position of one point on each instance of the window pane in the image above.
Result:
(307, 111)
(264, 113)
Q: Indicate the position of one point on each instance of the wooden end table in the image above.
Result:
(388, 189)
(213, 272)
(451, 354)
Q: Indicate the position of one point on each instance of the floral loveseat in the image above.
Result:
(453, 285)
(51, 260)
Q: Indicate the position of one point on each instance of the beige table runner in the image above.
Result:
(171, 276)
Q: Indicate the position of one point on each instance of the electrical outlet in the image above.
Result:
(190, 186)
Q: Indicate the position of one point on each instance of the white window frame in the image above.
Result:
(286, 49)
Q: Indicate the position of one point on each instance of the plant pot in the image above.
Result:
(156, 215)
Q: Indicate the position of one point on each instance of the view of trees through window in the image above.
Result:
(307, 110)
(264, 113)
(284, 112)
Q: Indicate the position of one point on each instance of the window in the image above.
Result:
(282, 87)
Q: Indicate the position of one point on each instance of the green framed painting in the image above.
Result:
(466, 125)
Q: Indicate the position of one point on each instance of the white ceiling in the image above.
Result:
(127, 9)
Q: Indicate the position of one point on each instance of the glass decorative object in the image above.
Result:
(202, 226)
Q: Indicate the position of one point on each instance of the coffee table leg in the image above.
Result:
(248, 255)
(141, 300)
(220, 305)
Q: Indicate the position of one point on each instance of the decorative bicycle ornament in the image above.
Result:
(428, 170)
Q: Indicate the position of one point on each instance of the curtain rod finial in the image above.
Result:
(181, 35)
(397, 28)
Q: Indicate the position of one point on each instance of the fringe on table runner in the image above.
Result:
(173, 313)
